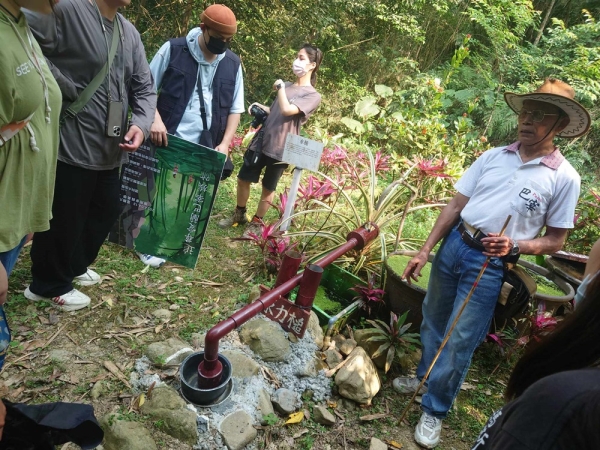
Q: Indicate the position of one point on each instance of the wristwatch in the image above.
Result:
(515, 248)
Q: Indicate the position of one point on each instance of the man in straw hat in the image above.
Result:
(182, 68)
(529, 180)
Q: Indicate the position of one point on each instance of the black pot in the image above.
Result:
(188, 373)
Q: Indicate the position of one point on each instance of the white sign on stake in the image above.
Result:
(302, 152)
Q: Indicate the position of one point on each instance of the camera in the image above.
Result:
(260, 115)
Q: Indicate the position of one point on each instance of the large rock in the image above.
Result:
(347, 346)
(323, 416)
(285, 401)
(170, 352)
(121, 434)
(243, 366)
(167, 406)
(358, 379)
(314, 327)
(361, 336)
(237, 430)
(266, 339)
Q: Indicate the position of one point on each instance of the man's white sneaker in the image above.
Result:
(152, 261)
(71, 301)
(427, 433)
(89, 278)
(408, 385)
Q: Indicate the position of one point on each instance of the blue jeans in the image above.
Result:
(453, 273)
(8, 260)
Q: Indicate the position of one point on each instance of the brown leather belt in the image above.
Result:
(471, 236)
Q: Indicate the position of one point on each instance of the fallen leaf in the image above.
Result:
(142, 400)
(43, 320)
(53, 318)
(300, 433)
(373, 417)
(158, 329)
(109, 300)
(295, 417)
(179, 279)
(163, 286)
(394, 444)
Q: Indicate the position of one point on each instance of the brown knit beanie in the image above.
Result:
(219, 18)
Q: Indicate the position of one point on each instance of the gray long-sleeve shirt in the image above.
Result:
(73, 42)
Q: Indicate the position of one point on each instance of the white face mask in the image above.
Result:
(299, 68)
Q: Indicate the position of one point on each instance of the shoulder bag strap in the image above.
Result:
(201, 95)
(84, 97)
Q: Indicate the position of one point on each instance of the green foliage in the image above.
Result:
(270, 419)
(396, 340)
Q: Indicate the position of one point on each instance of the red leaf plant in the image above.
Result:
(368, 294)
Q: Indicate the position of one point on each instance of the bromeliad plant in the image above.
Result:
(369, 295)
(396, 340)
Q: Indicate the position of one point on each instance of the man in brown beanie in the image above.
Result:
(184, 67)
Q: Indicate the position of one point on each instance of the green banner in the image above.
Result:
(168, 194)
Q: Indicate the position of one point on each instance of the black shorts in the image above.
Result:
(274, 171)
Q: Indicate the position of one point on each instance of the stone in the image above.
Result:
(97, 390)
(265, 407)
(361, 336)
(310, 370)
(322, 416)
(338, 340)
(170, 352)
(167, 406)
(266, 339)
(315, 330)
(347, 404)
(254, 293)
(174, 307)
(293, 338)
(237, 430)
(198, 340)
(121, 434)
(358, 379)
(60, 356)
(376, 444)
(333, 357)
(162, 314)
(242, 365)
(347, 346)
(285, 401)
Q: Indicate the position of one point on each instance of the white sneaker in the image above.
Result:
(71, 301)
(89, 278)
(408, 385)
(152, 261)
(427, 433)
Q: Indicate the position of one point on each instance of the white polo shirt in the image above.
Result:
(541, 192)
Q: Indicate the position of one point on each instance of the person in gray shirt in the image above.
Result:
(76, 41)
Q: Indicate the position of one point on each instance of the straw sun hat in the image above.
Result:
(560, 94)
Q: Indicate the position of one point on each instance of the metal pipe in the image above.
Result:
(209, 371)
(308, 286)
(289, 267)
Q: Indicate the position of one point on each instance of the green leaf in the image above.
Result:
(389, 359)
(381, 350)
(379, 338)
(367, 107)
(354, 125)
(383, 91)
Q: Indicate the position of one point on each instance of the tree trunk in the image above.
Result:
(544, 23)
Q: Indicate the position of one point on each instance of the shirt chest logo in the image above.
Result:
(24, 68)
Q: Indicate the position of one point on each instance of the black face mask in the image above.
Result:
(214, 45)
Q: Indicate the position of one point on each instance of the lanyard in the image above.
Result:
(117, 32)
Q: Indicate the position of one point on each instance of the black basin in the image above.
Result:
(188, 373)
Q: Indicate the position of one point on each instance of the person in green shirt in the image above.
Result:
(30, 103)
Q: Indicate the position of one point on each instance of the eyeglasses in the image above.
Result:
(537, 115)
